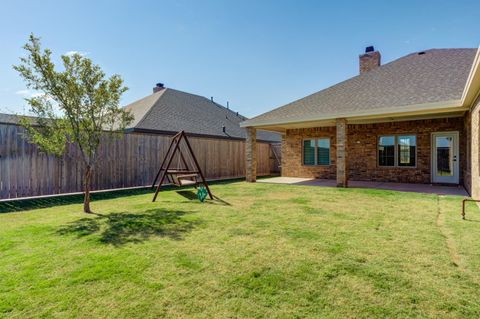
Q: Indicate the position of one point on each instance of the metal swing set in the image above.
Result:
(186, 172)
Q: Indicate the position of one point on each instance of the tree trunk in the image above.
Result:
(86, 187)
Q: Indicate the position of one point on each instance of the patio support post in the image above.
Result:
(251, 155)
(342, 167)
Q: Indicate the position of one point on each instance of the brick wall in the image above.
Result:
(363, 146)
(292, 143)
(467, 168)
(472, 171)
(369, 61)
(362, 150)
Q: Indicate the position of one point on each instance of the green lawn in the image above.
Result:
(262, 251)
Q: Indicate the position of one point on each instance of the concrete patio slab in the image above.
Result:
(402, 187)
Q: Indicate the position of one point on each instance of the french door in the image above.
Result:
(445, 159)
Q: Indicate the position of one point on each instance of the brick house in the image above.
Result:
(413, 120)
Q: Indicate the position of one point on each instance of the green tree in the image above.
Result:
(75, 105)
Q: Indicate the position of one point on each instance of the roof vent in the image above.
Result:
(421, 53)
(224, 129)
(369, 49)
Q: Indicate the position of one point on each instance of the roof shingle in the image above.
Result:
(172, 110)
(436, 75)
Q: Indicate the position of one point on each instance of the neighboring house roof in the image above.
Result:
(12, 118)
(426, 77)
(171, 110)
(8, 118)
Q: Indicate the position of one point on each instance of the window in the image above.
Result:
(406, 150)
(397, 151)
(386, 151)
(323, 151)
(309, 152)
(316, 151)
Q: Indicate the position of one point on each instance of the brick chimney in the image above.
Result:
(158, 87)
(369, 60)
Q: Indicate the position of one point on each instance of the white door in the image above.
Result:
(445, 168)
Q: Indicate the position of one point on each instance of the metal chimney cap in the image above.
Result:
(369, 49)
(159, 85)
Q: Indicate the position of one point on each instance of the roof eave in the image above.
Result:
(472, 87)
(452, 105)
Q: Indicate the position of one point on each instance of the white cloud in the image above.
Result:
(30, 93)
(71, 53)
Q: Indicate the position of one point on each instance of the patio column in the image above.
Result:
(342, 165)
(251, 155)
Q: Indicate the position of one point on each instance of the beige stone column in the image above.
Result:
(251, 155)
(342, 164)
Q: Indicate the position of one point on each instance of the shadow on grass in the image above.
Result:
(122, 228)
(190, 195)
(46, 202)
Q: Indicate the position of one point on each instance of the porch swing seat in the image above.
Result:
(185, 180)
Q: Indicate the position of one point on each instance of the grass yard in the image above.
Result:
(262, 251)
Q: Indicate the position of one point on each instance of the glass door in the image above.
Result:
(445, 168)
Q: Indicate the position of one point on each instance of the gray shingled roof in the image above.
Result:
(437, 75)
(171, 110)
(11, 118)
(8, 118)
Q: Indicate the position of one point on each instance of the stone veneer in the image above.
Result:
(251, 155)
(362, 150)
(342, 152)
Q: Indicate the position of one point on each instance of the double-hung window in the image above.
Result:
(316, 151)
(397, 150)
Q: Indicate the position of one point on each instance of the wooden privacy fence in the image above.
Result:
(130, 160)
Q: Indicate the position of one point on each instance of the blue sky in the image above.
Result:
(257, 55)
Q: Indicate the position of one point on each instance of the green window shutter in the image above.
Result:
(309, 152)
(323, 151)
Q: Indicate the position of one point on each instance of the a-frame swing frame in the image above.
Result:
(165, 170)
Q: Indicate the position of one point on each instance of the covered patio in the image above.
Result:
(457, 190)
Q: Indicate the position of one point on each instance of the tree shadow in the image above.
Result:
(122, 228)
(20, 204)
